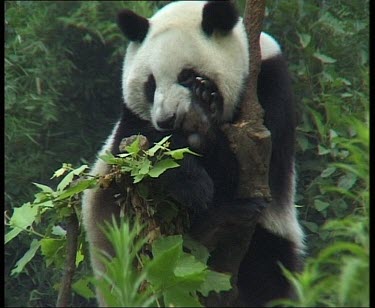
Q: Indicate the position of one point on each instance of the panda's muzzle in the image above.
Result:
(168, 123)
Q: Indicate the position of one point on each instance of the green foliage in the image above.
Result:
(51, 207)
(327, 46)
(149, 162)
(339, 274)
(121, 282)
(172, 278)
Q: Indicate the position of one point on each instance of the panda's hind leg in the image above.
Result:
(260, 278)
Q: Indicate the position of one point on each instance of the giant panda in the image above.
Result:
(184, 74)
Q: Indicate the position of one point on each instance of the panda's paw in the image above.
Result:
(190, 185)
(207, 95)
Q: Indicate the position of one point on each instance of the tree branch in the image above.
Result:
(72, 232)
(250, 140)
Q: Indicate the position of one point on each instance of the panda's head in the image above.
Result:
(206, 37)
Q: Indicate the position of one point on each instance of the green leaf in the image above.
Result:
(69, 177)
(80, 169)
(164, 244)
(43, 206)
(199, 251)
(109, 158)
(215, 282)
(12, 234)
(161, 166)
(324, 58)
(78, 188)
(80, 256)
(134, 147)
(59, 172)
(159, 145)
(188, 265)
(27, 257)
(166, 252)
(44, 188)
(319, 122)
(82, 287)
(322, 150)
(179, 153)
(340, 247)
(313, 227)
(304, 39)
(52, 250)
(352, 271)
(138, 178)
(347, 181)
(59, 231)
(303, 142)
(327, 172)
(22, 218)
(123, 155)
(145, 167)
(332, 134)
(179, 297)
(320, 205)
(65, 181)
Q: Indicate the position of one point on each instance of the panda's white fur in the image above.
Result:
(282, 220)
(175, 40)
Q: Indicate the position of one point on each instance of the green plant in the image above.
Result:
(327, 46)
(171, 278)
(339, 274)
(174, 276)
(146, 162)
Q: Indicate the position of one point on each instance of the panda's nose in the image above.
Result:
(168, 123)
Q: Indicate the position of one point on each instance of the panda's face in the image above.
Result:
(175, 43)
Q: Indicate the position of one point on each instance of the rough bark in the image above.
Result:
(249, 138)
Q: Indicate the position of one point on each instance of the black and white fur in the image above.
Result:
(189, 61)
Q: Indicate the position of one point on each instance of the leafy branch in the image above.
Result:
(172, 276)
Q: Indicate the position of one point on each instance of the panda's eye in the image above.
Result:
(150, 87)
(186, 77)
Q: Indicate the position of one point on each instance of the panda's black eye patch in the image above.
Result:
(186, 77)
(150, 87)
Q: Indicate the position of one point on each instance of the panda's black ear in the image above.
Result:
(220, 16)
(134, 27)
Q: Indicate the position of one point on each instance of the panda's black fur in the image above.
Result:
(208, 184)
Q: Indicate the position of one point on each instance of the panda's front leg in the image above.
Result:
(201, 122)
(207, 96)
(190, 184)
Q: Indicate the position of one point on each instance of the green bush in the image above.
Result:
(327, 46)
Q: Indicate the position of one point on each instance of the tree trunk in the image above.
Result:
(72, 232)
